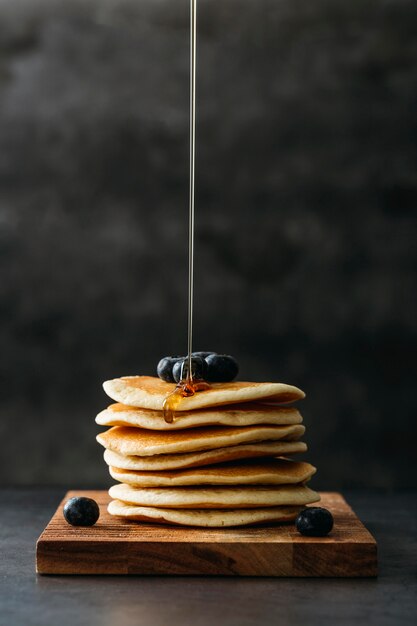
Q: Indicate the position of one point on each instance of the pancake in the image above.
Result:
(149, 392)
(208, 518)
(267, 472)
(230, 415)
(208, 457)
(215, 497)
(141, 442)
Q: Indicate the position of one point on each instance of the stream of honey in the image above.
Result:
(188, 387)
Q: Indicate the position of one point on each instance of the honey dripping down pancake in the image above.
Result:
(203, 458)
(264, 472)
(248, 414)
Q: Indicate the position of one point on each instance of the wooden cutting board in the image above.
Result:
(115, 546)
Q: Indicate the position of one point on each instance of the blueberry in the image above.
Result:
(314, 522)
(221, 368)
(198, 368)
(203, 355)
(81, 511)
(165, 366)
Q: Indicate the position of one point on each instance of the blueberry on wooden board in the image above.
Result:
(314, 522)
(198, 369)
(165, 367)
(221, 368)
(81, 511)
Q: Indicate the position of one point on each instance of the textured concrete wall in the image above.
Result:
(306, 216)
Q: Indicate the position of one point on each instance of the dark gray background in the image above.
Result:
(306, 216)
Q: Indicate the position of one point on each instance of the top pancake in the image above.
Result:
(232, 415)
(149, 392)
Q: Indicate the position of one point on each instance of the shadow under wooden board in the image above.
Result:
(116, 546)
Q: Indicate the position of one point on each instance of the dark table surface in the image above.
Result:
(26, 598)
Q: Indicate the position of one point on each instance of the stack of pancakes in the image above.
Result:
(216, 465)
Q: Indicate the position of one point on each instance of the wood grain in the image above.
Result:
(116, 546)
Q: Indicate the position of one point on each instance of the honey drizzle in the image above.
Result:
(191, 209)
(184, 389)
(188, 387)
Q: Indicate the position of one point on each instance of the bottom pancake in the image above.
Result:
(206, 518)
